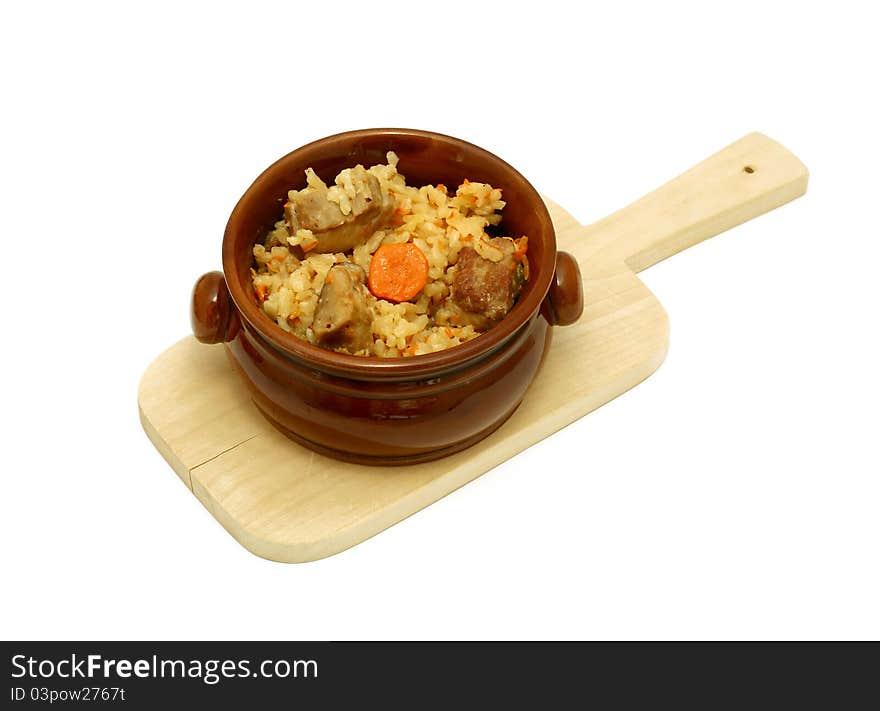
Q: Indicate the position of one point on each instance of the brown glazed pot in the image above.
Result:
(398, 410)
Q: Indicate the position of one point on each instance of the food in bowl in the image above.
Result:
(371, 266)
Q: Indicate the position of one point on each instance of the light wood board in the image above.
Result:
(286, 503)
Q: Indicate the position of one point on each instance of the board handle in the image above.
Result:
(748, 178)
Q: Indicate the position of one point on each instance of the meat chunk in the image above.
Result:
(451, 314)
(341, 224)
(484, 287)
(311, 210)
(343, 318)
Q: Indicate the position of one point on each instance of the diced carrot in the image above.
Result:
(450, 332)
(309, 247)
(398, 272)
(260, 290)
(397, 218)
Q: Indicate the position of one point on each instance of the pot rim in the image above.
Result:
(374, 367)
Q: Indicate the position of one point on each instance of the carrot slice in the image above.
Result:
(398, 272)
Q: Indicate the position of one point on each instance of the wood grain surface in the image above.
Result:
(286, 503)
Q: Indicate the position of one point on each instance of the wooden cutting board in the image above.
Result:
(286, 503)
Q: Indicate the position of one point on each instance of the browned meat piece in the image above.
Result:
(313, 211)
(451, 314)
(342, 318)
(481, 286)
(310, 209)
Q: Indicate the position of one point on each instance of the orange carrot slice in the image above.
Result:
(398, 272)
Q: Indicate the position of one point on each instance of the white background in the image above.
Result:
(734, 494)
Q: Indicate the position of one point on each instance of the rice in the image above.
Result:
(288, 278)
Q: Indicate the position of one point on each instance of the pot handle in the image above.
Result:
(213, 315)
(565, 300)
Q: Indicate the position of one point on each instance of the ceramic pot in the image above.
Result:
(387, 410)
